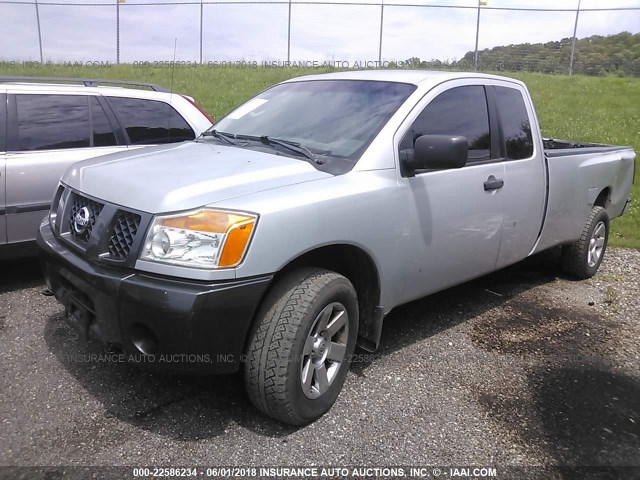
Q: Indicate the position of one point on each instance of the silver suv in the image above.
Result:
(45, 127)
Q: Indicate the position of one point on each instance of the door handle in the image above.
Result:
(493, 183)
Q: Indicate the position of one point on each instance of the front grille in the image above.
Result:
(82, 216)
(124, 231)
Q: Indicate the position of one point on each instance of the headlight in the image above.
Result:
(202, 238)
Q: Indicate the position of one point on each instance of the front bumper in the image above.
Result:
(158, 322)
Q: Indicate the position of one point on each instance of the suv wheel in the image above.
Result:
(301, 346)
(583, 258)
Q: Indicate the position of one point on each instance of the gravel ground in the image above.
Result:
(523, 367)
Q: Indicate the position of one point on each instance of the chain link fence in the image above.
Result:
(549, 37)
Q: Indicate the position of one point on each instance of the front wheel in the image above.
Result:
(583, 258)
(301, 346)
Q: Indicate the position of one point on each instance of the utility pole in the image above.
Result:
(118, 32)
(201, 29)
(381, 24)
(289, 35)
(475, 57)
(39, 31)
(573, 41)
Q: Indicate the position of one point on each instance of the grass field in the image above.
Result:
(596, 109)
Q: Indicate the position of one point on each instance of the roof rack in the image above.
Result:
(87, 82)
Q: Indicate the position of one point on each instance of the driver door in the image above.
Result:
(458, 212)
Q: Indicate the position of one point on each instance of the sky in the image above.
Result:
(258, 31)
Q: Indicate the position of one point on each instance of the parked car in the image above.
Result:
(281, 239)
(45, 127)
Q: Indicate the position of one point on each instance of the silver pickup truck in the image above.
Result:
(280, 239)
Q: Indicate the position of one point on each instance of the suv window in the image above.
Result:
(103, 134)
(150, 121)
(47, 122)
(516, 126)
(459, 111)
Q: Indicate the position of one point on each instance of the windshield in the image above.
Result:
(334, 118)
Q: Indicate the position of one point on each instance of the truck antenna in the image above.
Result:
(173, 65)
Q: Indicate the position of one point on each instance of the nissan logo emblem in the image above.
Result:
(81, 221)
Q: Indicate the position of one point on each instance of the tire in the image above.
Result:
(280, 354)
(583, 258)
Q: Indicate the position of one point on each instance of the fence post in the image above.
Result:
(475, 56)
(289, 34)
(39, 31)
(118, 32)
(573, 40)
(381, 24)
(201, 21)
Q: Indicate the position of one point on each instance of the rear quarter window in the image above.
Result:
(150, 121)
(516, 126)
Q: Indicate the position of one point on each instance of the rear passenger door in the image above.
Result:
(46, 134)
(3, 159)
(524, 184)
(150, 122)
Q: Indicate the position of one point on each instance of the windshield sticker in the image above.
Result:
(248, 107)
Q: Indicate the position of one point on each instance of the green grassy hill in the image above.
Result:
(596, 55)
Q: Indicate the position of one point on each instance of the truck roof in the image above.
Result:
(415, 77)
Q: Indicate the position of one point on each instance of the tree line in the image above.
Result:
(617, 54)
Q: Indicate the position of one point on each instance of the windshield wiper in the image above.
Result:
(289, 145)
(265, 140)
(227, 137)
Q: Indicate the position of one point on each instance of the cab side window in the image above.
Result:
(516, 127)
(150, 121)
(458, 111)
(49, 122)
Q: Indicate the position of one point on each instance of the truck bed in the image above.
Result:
(577, 174)
(562, 148)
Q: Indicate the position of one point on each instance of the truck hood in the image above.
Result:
(187, 175)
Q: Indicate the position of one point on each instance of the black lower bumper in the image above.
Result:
(158, 322)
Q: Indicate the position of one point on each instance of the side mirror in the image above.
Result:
(434, 152)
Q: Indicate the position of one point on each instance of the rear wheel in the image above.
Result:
(583, 258)
(301, 346)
